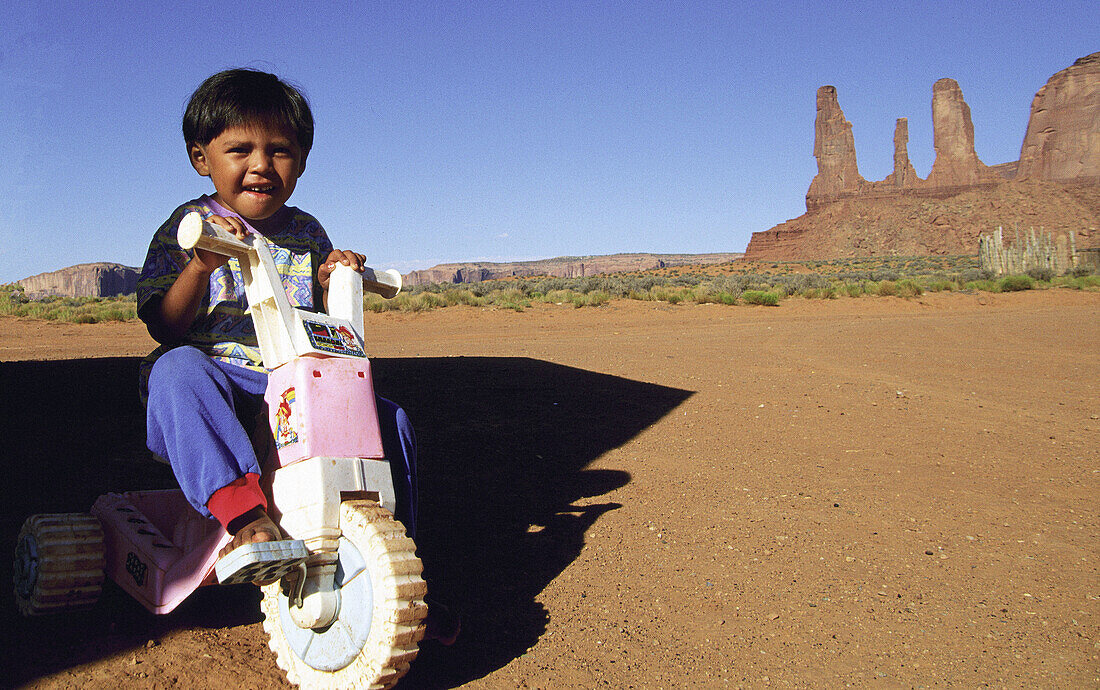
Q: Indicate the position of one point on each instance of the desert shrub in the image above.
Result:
(1087, 282)
(767, 299)
(827, 292)
(425, 301)
(971, 275)
(1043, 273)
(557, 296)
(595, 298)
(714, 296)
(511, 298)
(1015, 283)
(886, 288)
(799, 284)
(670, 294)
(376, 306)
(854, 276)
(718, 291)
(909, 288)
(548, 285)
(482, 288)
(704, 293)
(854, 289)
(13, 302)
(984, 285)
(1080, 271)
(118, 311)
(461, 296)
(941, 285)
(598, 298)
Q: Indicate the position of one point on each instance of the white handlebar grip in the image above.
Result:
(196, 232)
(385, 283)
(345, 296)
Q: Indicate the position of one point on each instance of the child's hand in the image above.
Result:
(208, 261)
(339, 256)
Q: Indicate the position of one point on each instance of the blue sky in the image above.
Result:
(460, 131)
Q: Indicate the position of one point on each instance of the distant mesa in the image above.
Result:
(108, 279)
(84, 280)
(561, 267)
(1055, 185)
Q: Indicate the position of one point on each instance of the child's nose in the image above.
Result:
(260, 162)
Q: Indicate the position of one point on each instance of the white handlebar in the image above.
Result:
(196, 232)
(385, 283)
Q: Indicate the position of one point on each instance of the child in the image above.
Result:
(250, 133)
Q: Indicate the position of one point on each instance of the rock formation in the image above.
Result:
(562, 267)
(956, 163)
(905, 215)
(915, 225)
(904, 175)
(1063, 133)
(956, 166)
(835, 150)
(84, 280)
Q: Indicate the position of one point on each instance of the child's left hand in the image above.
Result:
(339, 256)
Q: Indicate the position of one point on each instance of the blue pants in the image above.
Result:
(200, 415)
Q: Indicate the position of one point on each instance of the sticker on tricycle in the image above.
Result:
(338, 341)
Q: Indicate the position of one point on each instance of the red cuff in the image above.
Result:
(237, 498)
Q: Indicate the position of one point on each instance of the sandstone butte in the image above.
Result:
(1054, 187)
(100, 279)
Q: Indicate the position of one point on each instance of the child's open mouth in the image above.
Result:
(265, 190)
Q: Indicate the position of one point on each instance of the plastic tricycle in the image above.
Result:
(353, 614)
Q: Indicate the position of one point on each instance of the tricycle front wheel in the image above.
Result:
(374, 637)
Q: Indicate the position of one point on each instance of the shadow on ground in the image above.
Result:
(505, 495)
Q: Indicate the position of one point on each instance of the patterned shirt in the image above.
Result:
(223, 327)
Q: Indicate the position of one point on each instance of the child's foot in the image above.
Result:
(441, 624)
(258, 528)
(258, 553)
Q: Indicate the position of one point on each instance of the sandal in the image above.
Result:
(261, 562)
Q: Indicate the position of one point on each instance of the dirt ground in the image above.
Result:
(873, 491)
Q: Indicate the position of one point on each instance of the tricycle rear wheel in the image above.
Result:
(59, 562)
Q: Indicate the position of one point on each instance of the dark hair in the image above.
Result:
(237, 97)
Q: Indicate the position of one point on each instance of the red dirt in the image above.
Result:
(871, 491)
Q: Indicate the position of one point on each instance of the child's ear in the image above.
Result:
(302, 166)
(198, 159)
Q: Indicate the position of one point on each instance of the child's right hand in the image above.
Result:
(207, 261)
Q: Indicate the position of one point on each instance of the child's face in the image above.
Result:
(254, 168)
